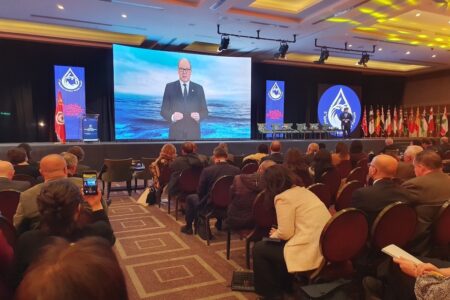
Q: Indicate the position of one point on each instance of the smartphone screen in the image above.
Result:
(90, 183)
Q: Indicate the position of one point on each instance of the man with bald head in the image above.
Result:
(275, 153)
(6, 175)
(184, 105)
(52, 167)
(384, 191)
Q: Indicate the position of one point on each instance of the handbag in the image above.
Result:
(151, 196)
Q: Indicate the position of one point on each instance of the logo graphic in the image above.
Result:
(59, 118)
(275, 92)
(70, 82)
(332, 104)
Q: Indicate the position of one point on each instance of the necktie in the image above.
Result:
(185, 92)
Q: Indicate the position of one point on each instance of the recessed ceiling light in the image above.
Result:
(380, 49)
(418, 14)
(408, 53)
(60, 6)
(350, 45)
(433, 56)
(124, 16)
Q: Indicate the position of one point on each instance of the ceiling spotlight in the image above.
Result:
(350, 45)
(364, 59)
(433, 56)
(224, 42)
(418, 14)
(408, 53)
(380, 49)
(60, 6)
(124, 16)
(282, 50)
(324, 54)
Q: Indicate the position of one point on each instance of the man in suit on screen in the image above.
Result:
(184, 105)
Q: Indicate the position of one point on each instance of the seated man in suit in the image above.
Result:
(72, 164)
(444, 146)
(80, 154)
(209, 175)
(6, 175)
(275, 153)
(405, 170)
(18, 157)
(431, 187)
(384, 191)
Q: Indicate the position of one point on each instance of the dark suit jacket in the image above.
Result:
(405, 171)
(28, 170)
(6, 184)
(210, 174)
(187, 128)
(180, 164)
(276, 157)
(373, 199)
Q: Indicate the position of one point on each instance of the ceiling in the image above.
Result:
(409, 36)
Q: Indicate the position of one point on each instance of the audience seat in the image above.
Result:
(441, 233)
(249, 168)
(145, 174)
(357, 173)
(7, 242)
(322, 192)
(117, 170)
(164, 177)
(9, 200)
(344, 168)
(332, 180)
(187, 184)
(344, 197)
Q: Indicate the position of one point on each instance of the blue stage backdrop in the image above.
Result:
(70, 82)
(141, 75)
(332, 103)
(274, 103)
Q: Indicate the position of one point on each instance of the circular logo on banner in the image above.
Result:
(332, 104)
(70, 82)
(275, 92)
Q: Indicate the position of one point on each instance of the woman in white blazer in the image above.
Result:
(301, 216)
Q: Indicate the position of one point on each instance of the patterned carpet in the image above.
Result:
(159, 262)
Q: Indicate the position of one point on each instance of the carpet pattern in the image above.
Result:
(159, 262)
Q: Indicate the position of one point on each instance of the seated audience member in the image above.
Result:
(416, 142)
(52, 167)
(6, 175)
(340, 155)
(244, 190)
(28, 151)
(209, 175)
(430, 187)
(230, 156)
(295, 161)
(301, 218)
(427, 144)
(87, 269)
(71, 163)
(322, 146)
(187, 159)
(203, 158)
(18, 157)
(390, 148)
(405, 170)
(444, 146)
(263, 151)
(166, 156)
(322, 164)
(356, 152)
(384, 191)
(79, 153)
(275, 153)
(60, 207)
(311, 152)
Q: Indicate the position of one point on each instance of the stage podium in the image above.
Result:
(89, 128)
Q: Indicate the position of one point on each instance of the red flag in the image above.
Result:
(60, 127)
(444, 123)
(431, 123)
(364, 122)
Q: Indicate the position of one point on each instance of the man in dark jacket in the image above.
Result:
(209, 175)
(244, 190)
(275, 153)
(6, 175)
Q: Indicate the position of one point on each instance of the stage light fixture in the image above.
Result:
(364, 59)
(224, 42)
(284, 47)
(324, 54)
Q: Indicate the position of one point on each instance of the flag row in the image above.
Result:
(384, 121)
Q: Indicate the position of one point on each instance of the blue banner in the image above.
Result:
(90, 128)
(274, 103)
(70, 82)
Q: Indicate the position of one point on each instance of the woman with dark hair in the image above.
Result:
(340, 154)
(87, 269)
(322, 164)
(295, 161)
(356, 152)
(301, 217)
(60, 208)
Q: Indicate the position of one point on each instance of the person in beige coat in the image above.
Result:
(301, 217)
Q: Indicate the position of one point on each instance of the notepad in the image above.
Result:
(397, 252)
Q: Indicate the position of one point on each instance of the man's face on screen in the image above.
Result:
(184, 70)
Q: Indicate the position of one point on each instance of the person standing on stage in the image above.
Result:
(184, 105)
(346, 122)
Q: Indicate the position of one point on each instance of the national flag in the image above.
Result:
(423, 124)
(400, 122)
(382, 121)
(60, 127)
(417, 122)
(395, 122)
(377, 123)
(444, 123)
(371, 122)
(405, 123)
(388, 124)
(431, 123)
(411, 124)
(364, 122)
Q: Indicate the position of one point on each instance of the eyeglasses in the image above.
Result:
(183, 70)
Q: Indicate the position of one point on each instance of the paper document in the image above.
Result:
(397, 252)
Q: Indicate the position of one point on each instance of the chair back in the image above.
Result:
(164, 175)
(322, 192)
(220, 192)
(9, 200)
(305, 177)
(145, 173)
(249, 168)
(344, 168)
(363, 163)
(25, 177)
(344, 198)
(332, 180)
(188, 181)
(147, 161)
(344, 236)
(441, 232)
(263, 215)
(8, 231)
(395, 224)
(249, 161)
(117, 170)
(357, 173)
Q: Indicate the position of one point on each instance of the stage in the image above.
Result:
(96, 152)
